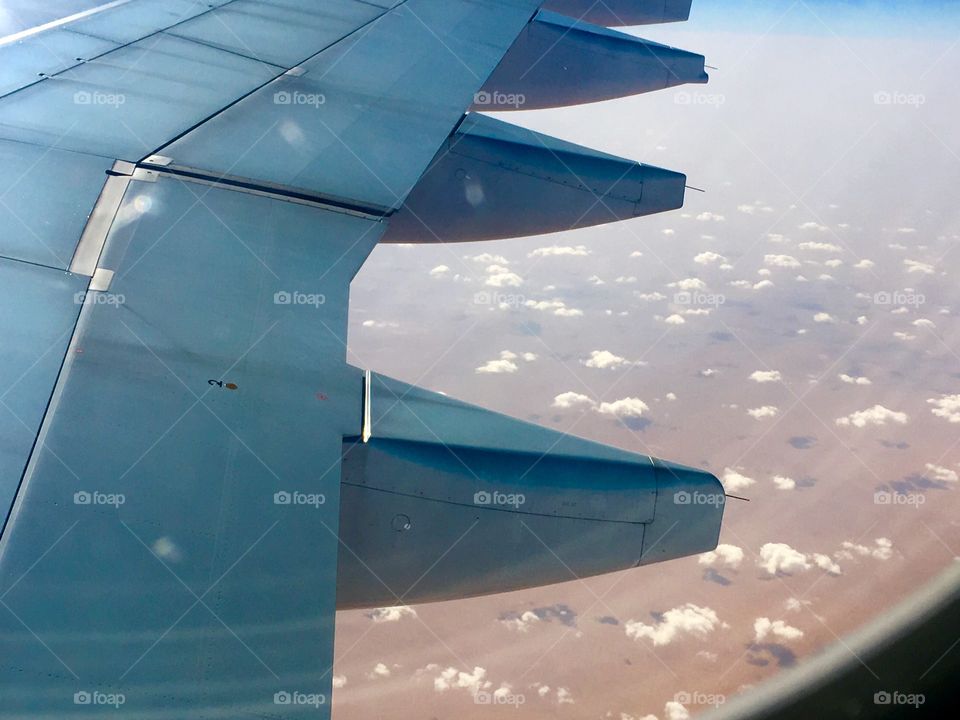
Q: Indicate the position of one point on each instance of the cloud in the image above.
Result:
(882, 550)
(708, 257)
(624, 279)
(500, 276)
(439, 271)
(628, 407)
(488, 259)
(689, 284)
(686, 620)
(505, 364)
(822, 317)
(605, 360)
(339, 681)
(650, 297)
(813, 226)
(733, 481)
(557, 250)
(824, 562)
(725, 555)
(781, 558)
(452, 679)
(379, 671)
(674, 320)
(380, 324)
(764, 628)
(708, 372)
(941, 474)
(924, 322)
(854, 380)
(762, 285)
(709, 216)
(786, 261)
(564, 697)
(876, 415)
(675, 711)
(820, 247)
(558, 307)
(784, 483)
(864, 264)
(571, 399)
(522, 622)
(765, 376)
(915, 266)
(391, 614)
(763, 412)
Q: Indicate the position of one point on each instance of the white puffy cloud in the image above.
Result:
(379, 671)
(625, 279)
(854, 380)
(558, 307)
(452, 679)
(707, 257)
(380, 324)
(825, 562)
(500, 276)
(689, 284)
(439, 271)
(605, 360)
(709, 216)
(943, 474)
(339, 681)
(820, 247)
(557, 250)
(864, 264)
(505, 364)
(822, 317)
(725, 556)
(686, 620)
(564, 697)
(571, 399)
(786, 261)
(876, 415)
(523, 622)
(781, 558)
(915, 266)
(709, 372)
(764, 628)
(813, 226)
(734, 481)
(765, 376)
(924, 323)
(675, 711)
(784, 483)
(391, 614)
(834, 263)
(763, 412)
(882, 549)
(763, 284)
(488, 259)
(624, 408)
(674, 320)
(650, 297)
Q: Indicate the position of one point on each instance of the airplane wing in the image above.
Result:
(192, 478)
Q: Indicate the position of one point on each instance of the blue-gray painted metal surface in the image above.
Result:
(187, 561)
(37, 317)
(623, 12)
(558, 61)
(493, 180)
(46, 196)
(206, 457)
(368, 115)
(22, 62)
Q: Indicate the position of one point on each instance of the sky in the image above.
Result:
(817, 371)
